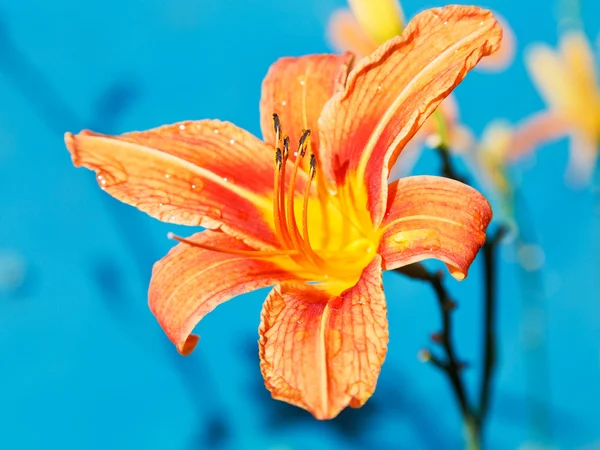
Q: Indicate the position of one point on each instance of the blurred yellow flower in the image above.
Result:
(567, 80)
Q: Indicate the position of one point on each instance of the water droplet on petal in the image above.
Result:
(283, 103)
(302, 82)
(167, 175)
(216, 131)
(214, 213)
(197, 185)
(232, 141)
(182, 127)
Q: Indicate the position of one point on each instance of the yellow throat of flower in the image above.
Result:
(331, 246)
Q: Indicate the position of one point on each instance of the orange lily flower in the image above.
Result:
(317, 220)
(567, 80)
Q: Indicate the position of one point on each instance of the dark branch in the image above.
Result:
(450, 365)
(489, 352)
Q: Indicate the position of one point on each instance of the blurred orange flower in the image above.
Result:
(318, 221)
(567, 80)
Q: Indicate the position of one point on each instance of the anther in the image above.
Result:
(303, 144)
(278, 159)
(277, 127)
(286, 147)
(313, 165)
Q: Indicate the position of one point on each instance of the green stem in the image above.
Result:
(442, 128)
(489, 328)
(472, 436)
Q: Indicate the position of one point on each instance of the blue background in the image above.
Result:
(83, 363)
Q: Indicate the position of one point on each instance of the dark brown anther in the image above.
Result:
(278, 159)
(277, 127)
(286, 147)
(313, 165)
(303, 143)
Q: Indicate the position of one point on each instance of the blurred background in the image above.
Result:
(84, 364)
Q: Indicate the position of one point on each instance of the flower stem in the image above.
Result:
(474, 414)
(447, 168)
(489, 350)
(472, 437)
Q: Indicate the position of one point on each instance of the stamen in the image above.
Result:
(249, 253)
(285, 228)
(312, 173)
(301, 242)
(291, 215)
(278, 211)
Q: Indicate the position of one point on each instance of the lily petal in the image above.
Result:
(583, 155)
(434, 217)
(578, 56)
(345, 34)
(324, 353)
(189, 282)
(567, 80)
(296, 89)
(539, 128)
(505, 55)
(390, 94)
(207, 173)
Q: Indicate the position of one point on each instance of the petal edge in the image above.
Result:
(434, 217)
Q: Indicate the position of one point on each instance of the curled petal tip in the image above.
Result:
(189, 345)
(456, 273)
(505, 54)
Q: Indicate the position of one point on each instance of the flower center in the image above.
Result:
(335, 245)
(338, 242)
